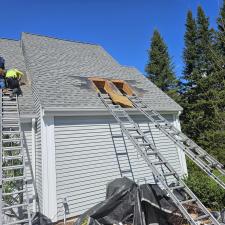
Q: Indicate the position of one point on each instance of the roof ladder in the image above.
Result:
(14, 199)
(202, 159)
(155, 161)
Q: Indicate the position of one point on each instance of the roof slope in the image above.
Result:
(59, 70)
(11, 51)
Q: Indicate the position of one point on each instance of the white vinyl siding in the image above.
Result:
(27, 143)
(86, 160)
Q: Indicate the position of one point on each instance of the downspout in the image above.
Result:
(34, 164)
(180, 152)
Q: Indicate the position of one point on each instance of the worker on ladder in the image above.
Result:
(2, 73)
(13, 77)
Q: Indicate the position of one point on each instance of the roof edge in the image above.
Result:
(55, 111)
(9, 39)
(61, 39)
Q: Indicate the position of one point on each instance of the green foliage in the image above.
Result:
(190, 50)
(159, 67)
(201, 94)
(203, 100)
(207, 190)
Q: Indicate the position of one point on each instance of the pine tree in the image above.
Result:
(221, 29)
(159, 68)
(203, 101)
(198, 67)
(203, 45)
(190, 50)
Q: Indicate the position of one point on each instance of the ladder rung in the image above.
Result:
(117, 136)
(9, 104)
(169, 174)
(202, 155)
(144, 144)
(159, 163)
(13, 193)
(11, 132)
(18, 222)
(177, 187)
(13, 178)
(6, 124)
(10, 118)
(122, 116)
(16, 167)
(7, 97)
(188, 201)
(132, 129)
(11, 140)
(13, 148)
(9, 107)
(152, 153)
(137, 136)
(14, 206)
(125, 171)
(121, 153)
(9, 112)
(12, 157)
(202, 217)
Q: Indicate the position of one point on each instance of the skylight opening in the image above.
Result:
(123, 87)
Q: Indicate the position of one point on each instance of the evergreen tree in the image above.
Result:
(198, 67)
(203, 100)
(221, 29)
(203, 45)
(190, 50)
(159, 68)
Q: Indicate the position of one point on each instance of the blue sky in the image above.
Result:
(122, 27)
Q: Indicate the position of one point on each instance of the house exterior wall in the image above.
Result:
(27, 143)
(29, 137)
(85, 159)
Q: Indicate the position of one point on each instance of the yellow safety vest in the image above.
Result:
(14, 73)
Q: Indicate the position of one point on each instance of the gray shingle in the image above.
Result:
(11, 51)
(59, 70)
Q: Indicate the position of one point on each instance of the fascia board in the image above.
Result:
(92, 112)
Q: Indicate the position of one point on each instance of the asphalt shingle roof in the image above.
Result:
(11, 51)
(59, 70)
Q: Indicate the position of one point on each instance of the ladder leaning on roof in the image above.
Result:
(14, 199)
(205, 161)
(154, 160)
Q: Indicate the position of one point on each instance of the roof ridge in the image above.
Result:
(9, 39)
(61, 39)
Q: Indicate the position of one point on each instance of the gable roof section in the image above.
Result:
(59, 70)
(11, 51)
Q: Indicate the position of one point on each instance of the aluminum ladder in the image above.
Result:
(14, 202)
(155, 161)
(205, 161)
(121, 152)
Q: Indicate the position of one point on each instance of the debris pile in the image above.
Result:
(128, 203)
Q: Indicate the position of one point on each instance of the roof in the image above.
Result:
(11, 51)
(60, 69)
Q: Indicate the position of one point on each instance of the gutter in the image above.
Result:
(55, 111)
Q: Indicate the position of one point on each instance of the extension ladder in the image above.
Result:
(155, 161)
(121, 152)
(14, 199)
(205, 161)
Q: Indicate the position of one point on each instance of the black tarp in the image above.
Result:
(129, 203)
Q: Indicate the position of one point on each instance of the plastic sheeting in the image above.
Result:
(128, 203)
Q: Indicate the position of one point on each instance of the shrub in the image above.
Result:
(206, 189)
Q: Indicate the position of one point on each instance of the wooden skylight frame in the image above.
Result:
(123, 87)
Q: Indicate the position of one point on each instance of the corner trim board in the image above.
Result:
(48, 168)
